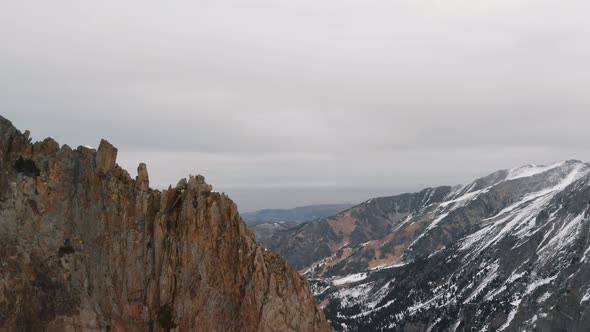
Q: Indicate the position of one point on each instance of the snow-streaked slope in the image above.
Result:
(519, 219)
(507, 252)
(531, 170)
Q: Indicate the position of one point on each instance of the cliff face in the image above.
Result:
(83, 246)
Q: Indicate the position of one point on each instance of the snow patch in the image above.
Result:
(511, 315)
(544, 297)
(386, 267)
(474, 238)
(531, 287)
(520, 217)
(585, 255)
(530, 170)
(436, 221)
(567, 234)
(486, 281)
(349, 279)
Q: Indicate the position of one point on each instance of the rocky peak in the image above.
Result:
(143, 180)
(83, 246)
(105, 157)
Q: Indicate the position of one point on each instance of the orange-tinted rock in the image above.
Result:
(83, 246)
(106, 156)
(143, 181)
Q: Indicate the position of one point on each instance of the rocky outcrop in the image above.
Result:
(83, 246)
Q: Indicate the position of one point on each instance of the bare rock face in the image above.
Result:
(106, 157)
(84, 247)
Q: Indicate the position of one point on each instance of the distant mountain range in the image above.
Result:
(267, 222)
(298, 214)
(507, 252)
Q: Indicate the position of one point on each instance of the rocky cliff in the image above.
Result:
(84, 246)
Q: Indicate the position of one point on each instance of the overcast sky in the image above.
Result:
(282, 103)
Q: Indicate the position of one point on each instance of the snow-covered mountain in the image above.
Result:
(507, 252)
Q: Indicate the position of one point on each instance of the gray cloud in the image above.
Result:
(285, 103)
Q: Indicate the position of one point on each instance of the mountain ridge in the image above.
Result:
(84, 246)
(506, 252)
(297, 214)
(267, 222)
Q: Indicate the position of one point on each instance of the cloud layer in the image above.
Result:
(283, 103)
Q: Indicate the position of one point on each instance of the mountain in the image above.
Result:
(507, 252)
(342, 235)
(298, 214)
(265, 223)
(83, 246)
(268, 229)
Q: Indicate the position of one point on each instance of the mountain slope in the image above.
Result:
(298, 214)
(83, 246)
(266, 230)
(343, 238)
(265, 223)
(508, 252)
